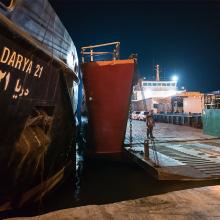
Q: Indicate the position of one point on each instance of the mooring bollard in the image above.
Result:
(146, 149)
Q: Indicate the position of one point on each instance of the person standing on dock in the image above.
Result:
(150, 124)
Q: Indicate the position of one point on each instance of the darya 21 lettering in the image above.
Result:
(20, 62)
(17, 61)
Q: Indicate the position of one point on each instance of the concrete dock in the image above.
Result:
(192, 204)
(178, 152)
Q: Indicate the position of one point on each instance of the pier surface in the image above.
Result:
(178, 152)
(193, 204)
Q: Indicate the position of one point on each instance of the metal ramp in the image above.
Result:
(195, 157)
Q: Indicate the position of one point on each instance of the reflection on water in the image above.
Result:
(79, 171)
(103, 181)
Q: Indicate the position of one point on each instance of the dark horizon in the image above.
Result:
(183, 37)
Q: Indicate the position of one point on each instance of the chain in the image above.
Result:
(156, 159)
(130, 126)
(132, 56)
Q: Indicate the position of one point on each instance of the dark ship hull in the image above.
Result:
(37, 106)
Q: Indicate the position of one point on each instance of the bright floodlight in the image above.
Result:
(175, 78)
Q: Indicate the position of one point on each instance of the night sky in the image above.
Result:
(182, 36)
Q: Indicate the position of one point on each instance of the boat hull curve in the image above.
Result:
(37, 121)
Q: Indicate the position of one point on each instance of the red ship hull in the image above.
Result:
(108, 89)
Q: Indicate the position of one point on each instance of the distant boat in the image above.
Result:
(38, 90)
(108, 86)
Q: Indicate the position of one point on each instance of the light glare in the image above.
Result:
(175, 78)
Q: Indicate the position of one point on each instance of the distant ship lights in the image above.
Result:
(175, 78)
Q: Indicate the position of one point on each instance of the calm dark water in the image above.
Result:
(102, 181)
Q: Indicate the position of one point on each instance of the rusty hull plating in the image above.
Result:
(108, 87)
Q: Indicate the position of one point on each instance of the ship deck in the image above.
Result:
(178, 152)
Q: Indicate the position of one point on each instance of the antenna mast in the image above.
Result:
(157, 72)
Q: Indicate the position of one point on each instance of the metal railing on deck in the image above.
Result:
(192, 120)
(91, 53)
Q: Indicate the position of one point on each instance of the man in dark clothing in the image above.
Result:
(150, 124)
